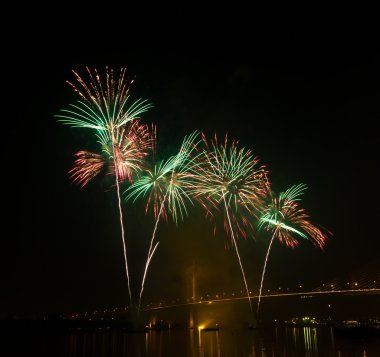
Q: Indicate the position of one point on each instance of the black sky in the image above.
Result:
(301, 88)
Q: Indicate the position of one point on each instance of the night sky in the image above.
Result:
(300, 88)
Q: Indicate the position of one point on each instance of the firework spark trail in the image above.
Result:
(154, 182)
(262, 276)
(230, 179)
(151, 251)
(288, 222)
(166, 185)
(121, 220)
(123, 240)
(127, 150)
(238, 255)
(125, 142)
(183, 154)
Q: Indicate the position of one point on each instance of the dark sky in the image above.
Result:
(299, 87)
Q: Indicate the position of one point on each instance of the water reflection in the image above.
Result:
(310, 340)
(209, 343)
(303, 341)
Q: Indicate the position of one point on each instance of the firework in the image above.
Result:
(103, 107)
(230, 179)
(123, 159)
(87, 166)
(287, 222)
(166, 186)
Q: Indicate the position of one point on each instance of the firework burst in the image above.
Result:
(103, 107)
(167, 186)
(287, 222)
(231, 180)
(123, 159)
(103, 104)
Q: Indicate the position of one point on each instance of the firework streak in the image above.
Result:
(125, 142)
(167, 187)
(288, 222)
(230, 179)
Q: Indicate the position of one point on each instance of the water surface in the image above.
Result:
(284, 342)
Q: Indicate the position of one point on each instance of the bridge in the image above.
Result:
(354, 296)
(303, 295)
(356, 293)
